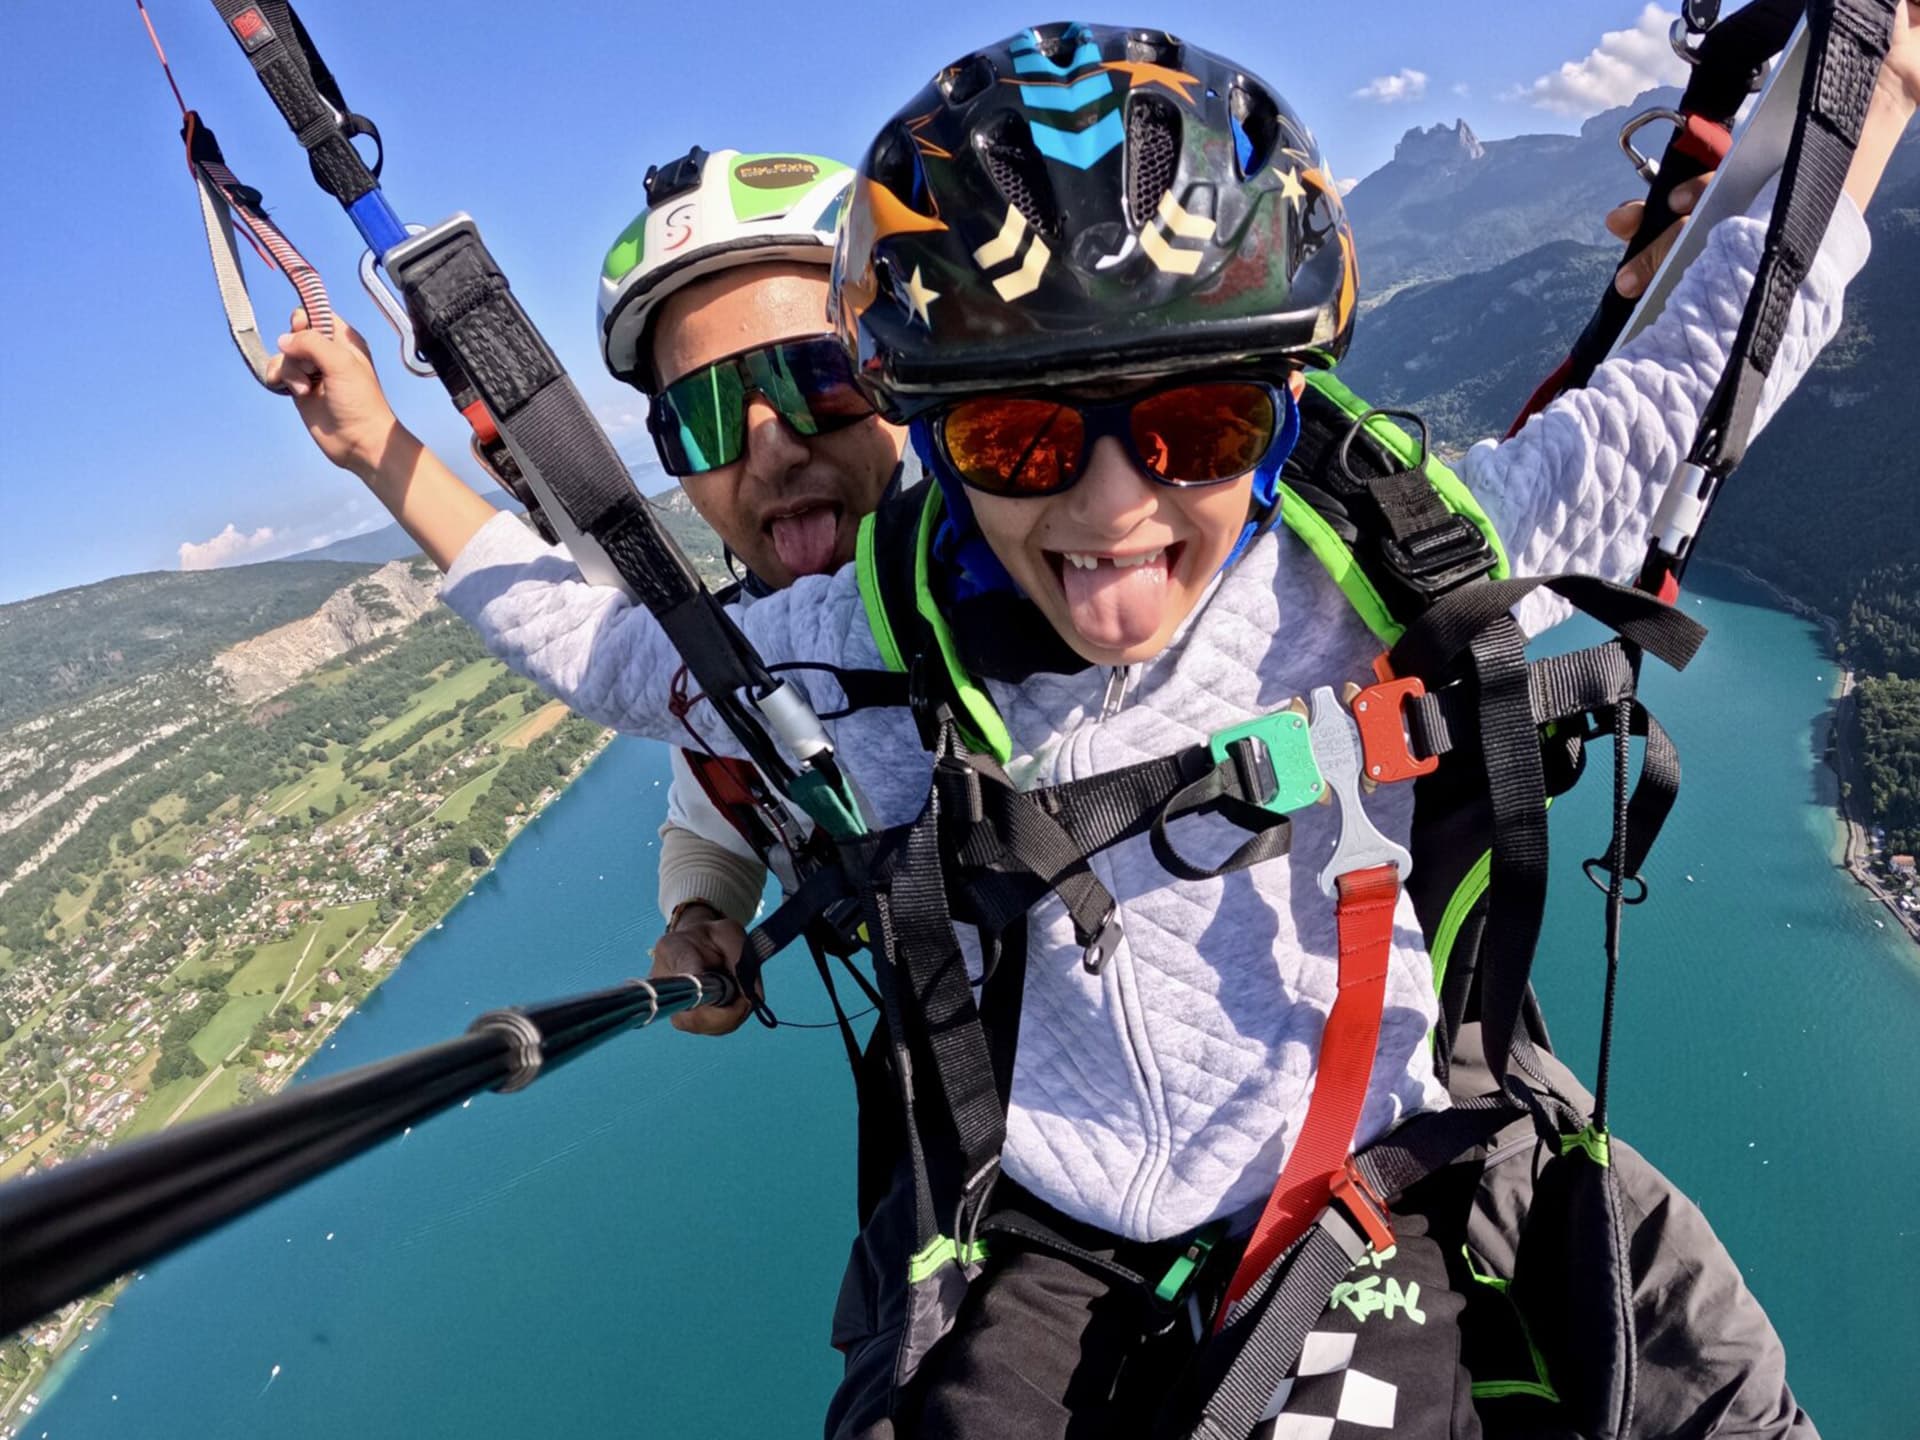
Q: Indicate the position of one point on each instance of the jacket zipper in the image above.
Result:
(1116, 691)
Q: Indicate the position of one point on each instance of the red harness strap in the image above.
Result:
(1319, 1156)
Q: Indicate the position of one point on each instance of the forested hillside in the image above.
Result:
(1827, 493)
(59, 649)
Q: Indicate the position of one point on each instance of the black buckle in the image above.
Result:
(1253, 769)
(1438, 559)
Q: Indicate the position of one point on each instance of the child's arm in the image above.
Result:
(338, 395)
(586, 644)
(607, 657)
(1576, 490)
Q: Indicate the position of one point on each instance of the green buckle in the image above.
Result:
(1174, 1283)
(1280, 766)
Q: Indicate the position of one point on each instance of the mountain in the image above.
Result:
(390, 599)
(389, 542)
(1827, 493)
(73, 645)
(1448, 203)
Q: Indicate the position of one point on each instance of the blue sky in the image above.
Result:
(130, 427)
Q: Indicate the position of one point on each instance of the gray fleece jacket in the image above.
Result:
(1165, 1091)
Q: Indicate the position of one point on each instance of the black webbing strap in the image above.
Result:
(306, 93)
(1247, 1362)
(1242, 1368)
(1583, 684)
(1517, 879)
(796, 916)
(1011, 846)
(1848, 43)
(1436, 639)
(1428, 1142)
(1850, 39)
(1730, 61)
(482, 345)
(464, 309)
(995, 831)
(917, 938)
(1225, 790)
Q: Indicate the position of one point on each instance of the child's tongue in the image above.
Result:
(805, 542)
(1116, 608)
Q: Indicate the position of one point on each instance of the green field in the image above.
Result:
(159, 1105)
(448, 693)
(222, 1094)
(230, 1026)
(270, 966)
(321, 786)
(457, 806)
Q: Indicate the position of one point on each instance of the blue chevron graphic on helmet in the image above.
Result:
(1082, 149)
(1084, 91)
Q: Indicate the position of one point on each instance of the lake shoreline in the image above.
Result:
(1839, 756)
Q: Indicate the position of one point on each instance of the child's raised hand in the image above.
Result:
(1623, 222)
(1901, 73)
(338, 394)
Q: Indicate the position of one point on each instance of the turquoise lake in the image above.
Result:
(648, 1243)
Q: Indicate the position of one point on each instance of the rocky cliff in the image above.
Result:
(390, 599)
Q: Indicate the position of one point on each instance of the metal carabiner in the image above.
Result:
(396, 312)
(1681, 38)
(1646, 166)
(1696, 18)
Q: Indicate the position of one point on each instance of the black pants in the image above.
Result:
(1049, 1349)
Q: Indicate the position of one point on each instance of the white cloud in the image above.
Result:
(229, 547)
(1346, 186)
(1625, 64)
(1463, 90)
(1393, 89)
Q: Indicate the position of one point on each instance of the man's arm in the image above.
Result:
(710, 884)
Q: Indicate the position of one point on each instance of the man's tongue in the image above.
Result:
(1116, 608)
(805, 542)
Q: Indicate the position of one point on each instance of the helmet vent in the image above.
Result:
(1015, 167)
(962, 82)
(1153, 47)
(1153, 154)
(1256, 127)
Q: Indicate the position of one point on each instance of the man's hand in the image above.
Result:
(703, 939)
(1624, 222)
(338, 395)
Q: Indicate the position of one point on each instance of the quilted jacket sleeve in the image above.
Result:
(606, 657)
(1577, 488)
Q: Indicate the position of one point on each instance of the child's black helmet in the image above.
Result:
(1082, 202)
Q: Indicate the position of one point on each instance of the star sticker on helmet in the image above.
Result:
(1143, 72)
(920, 298)
(1290, 185)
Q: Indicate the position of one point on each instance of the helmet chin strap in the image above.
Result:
(1264, 508)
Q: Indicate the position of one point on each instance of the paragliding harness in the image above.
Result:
(1486, 737)
(1488, 740)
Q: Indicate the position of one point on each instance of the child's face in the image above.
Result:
(1174, 541)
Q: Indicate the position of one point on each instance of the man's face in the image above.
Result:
(791, 505)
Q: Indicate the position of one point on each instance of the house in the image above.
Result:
(1902, 865)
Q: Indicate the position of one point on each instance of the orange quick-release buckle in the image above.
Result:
(1353, 1193)
(1380, 713)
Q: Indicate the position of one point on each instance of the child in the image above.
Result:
(1103, 352)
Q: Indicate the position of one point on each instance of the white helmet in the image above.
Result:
(708, 213)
